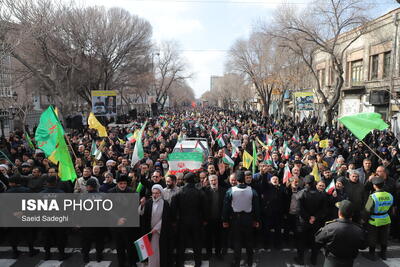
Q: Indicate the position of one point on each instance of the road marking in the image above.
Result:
(50, 263)
(392, 262)
(98, 264)
(191, 264)
(7, 262)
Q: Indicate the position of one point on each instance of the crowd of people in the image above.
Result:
(221, 206)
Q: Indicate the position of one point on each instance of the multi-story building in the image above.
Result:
(371, 69)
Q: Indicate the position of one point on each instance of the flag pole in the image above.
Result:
(70, 146)
(372, 150)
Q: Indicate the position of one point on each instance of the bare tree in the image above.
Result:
(256, 59)
(210, 97)
(181, 94)
(233, 91)
(169, 68)
(319, 28)
(72, 50)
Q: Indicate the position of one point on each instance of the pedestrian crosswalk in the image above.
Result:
(74, 260)
(51, 263)
(55, 263)
(7, 262)
(262, 258)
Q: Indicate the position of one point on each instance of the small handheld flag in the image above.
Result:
(143, 247)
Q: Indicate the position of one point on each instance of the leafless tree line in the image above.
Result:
(66, 50)
(271, 57)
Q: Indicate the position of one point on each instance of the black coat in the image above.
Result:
(165, 237)
(273, 200)
(188, 206)
(208, 195)
(342, 238)
(311, 203)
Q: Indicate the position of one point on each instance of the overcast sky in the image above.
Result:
(206, 29)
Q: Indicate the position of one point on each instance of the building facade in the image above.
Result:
(371, 69)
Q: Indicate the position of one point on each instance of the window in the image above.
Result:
(386, 64)
(321, 76)
(356, 72)
(374, 67)
(332, 76)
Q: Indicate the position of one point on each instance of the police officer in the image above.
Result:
(378, 206)
(241, 209)
(341, 238)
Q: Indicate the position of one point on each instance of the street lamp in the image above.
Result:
(8, 114)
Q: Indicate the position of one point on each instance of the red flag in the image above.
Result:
(193, 104)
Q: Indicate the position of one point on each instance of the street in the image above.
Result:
(283, 258)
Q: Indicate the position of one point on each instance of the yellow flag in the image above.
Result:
(315, 173)
(247, 160)
(323, 143)
(121, 141)
(52, 157)
(316, 138)
(95, 124)
(136, 134)
(261, 143)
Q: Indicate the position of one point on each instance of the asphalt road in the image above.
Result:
(275, 258)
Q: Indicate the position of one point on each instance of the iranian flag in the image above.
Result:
(214, 129)
(268, 159)
(286, 174)
(143, 247)
(184, 161)
(269, 141)
(234, 131)
(138, 152)
(131, 137)
(226, 159)
(287, 150)
(220, 141)
(158, 136)
(278, 133)
(235, 149)
(331, 187)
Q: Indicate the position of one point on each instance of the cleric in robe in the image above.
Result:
(156, 220)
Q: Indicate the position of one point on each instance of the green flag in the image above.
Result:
(139, 187)
(254, 157)
(46, 132)
(29, 141)
(363, 123)
(66, 170)
(50, 138)
(138, 152)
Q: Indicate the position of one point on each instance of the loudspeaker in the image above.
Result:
(379, 97)
(133, 114)
(154, 109)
